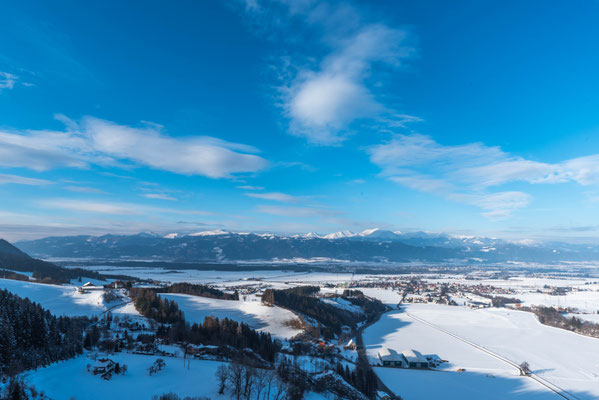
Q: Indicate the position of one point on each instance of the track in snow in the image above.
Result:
(542, 381)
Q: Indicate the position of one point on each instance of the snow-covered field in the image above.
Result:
(387, 296)
(559, 356)
(426, 385)
(594, 318)
(70, 379)
(252, 312)
(586, 301)
(65, 300)
(60, 300)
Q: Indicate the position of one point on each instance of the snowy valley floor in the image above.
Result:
(563, 358)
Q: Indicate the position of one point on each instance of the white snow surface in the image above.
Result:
(65, 300)
(252, 312)
(70, 379)
(559, 356)
(343, 304)
(586, 301)
(60, 300)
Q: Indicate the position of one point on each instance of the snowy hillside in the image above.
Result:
(252, 312)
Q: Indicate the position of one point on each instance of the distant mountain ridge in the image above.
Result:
(372, 245)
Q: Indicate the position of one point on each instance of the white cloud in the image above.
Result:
(248, 187)
(297, 212)
(322, 103)
(97, 141)
(276, 196)
(497, 205)
(159, 196)
(7, 81)
(205, 156)
(83, 189)
(92, 206)
(22, 180)
(326, 87)
(466, 172)
(101, 207)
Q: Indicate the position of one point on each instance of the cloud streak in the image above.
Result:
(97, 141)
(22, 180)
(7, 81)
(467, 173)
(276, 196)
(111, 208)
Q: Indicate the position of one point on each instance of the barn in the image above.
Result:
(390, 358)
(414, 359)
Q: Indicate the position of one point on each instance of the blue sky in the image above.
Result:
(480, 117)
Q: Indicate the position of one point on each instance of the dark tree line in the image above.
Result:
(151, 305)
(221, 332)
(371, 306)
(200, 290)
(502, 301)
(301, 299)
(4, 274)
(31, 337)
(552, 317)
(361, 378)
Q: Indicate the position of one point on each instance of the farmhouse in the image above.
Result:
(88, 286)
(103, 366)
(390, 358)
(414, 359)
(350, 345)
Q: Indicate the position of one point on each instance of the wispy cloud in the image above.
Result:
(7, 81)
(22, 180)
(466, 173)
(298, 212)
(84, 189)
(97, 141)
(322, 98)
(101, 207)
(276, 196)
(159, 196)
(322, 103)
(249, 187)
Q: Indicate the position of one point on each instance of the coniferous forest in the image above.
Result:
(31, 337)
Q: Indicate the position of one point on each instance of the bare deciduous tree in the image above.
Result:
(222, 375)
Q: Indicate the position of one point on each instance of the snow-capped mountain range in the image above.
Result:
(371, 245)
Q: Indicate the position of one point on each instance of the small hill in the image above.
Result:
(14, 259)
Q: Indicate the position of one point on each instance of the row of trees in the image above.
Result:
(151, 305)
(201, 290)
(31, 337)
(221, 332)
(248, 383)
(552, 317)
(4, 274)
(302, 300)
(361, 378)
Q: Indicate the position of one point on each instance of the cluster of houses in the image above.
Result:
(405, 359)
